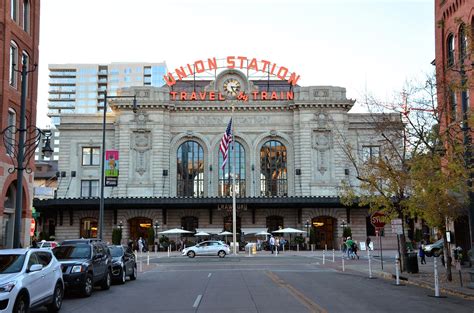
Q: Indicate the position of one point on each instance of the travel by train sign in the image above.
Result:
(231, 87)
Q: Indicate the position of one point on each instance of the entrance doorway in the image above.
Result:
(324, 228)
(139, 228)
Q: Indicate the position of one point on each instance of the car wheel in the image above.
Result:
(58, 295)
(22, 304)
(191, 254)
(221, 254)
(123, 277)
(88, 286)
(134, 273)
(106, 282)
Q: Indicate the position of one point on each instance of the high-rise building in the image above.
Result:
(454, 39)
(19, 39)
(80, 88)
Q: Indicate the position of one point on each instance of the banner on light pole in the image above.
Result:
(111, 168)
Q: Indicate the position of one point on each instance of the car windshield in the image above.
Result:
(116, 251)
(11, 263)
(72, 252)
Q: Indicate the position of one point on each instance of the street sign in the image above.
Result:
(397, 227)
(377, 219)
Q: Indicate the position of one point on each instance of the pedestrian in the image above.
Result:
(421, 253)
(272, 243)
(140, 244)
(367, 243)
(277, 243)
(349, 244)
(354, 250)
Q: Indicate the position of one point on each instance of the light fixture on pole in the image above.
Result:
(307, 225)
(157, 227)
(120, 226)
(21, 143)
(102, 163)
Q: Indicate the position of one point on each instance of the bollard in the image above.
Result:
(436, 277)
(298, 247)
(250, 249)
(136, 254)
(312, 247)
(324, 257)
(169, 248)
(370, 263)
(397, 269)
(333, 256)
(148, 259)
(141, 266)
(342, 258)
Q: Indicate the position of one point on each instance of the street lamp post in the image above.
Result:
(157, 227)
(21, 150)
(120, 226)
(102, 166)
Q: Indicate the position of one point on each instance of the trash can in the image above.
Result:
(412, 262)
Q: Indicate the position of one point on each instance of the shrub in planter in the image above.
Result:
(164, 241)
(347, 232)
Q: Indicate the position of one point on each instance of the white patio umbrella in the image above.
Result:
(201, 233)
(289, 230)
(225, 233)
(262, 233)
(175, 231)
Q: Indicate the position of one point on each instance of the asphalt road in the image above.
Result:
(266, 284)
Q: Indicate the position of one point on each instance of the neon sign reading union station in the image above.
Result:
(232, 88)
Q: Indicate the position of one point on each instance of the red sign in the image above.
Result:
(232, 62)
(32, 227)
(377, 219)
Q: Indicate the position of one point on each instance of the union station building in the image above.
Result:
(289, 161)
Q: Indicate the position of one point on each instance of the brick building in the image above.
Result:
(454, 34)
(19, 38)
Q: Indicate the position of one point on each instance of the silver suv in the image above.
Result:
(30, 278)
(211, 247)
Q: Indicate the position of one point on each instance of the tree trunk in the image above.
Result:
(403, 253)
(447, 255)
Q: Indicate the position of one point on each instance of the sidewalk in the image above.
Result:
(424, 278)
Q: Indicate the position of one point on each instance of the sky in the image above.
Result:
(366, 46)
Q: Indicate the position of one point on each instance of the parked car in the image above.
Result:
(85, 263)
(123, 264)
(434, 249)
(30, 278)
(47, 244)
(211, 247)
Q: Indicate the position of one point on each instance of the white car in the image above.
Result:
(211, 247)
(30, 278)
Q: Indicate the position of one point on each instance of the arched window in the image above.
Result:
(450, 50)
(274, 223)
(189, 223)
(14, 10)
(10, 132)
(225, 174)
(10, 197)
(88, 228)
(273, 169)
(26, 16)
(190, 169)
(13, 79)
(462, 44)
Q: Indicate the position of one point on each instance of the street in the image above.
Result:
(261, 284)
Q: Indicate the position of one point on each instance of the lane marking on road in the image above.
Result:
(196, 303)
(312, 306)
(209, 275)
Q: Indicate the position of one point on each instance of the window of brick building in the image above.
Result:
(450, 50)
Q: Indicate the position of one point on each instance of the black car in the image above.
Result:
(123, 264)
(85, 263)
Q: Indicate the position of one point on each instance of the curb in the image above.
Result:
(390, 276)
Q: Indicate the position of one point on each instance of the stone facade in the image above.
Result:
(311, 126)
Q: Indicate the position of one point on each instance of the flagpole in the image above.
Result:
(234, 214)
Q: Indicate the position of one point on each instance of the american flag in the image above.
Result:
(225, 143)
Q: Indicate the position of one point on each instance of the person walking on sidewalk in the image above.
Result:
(421, 253)
(272, 243)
